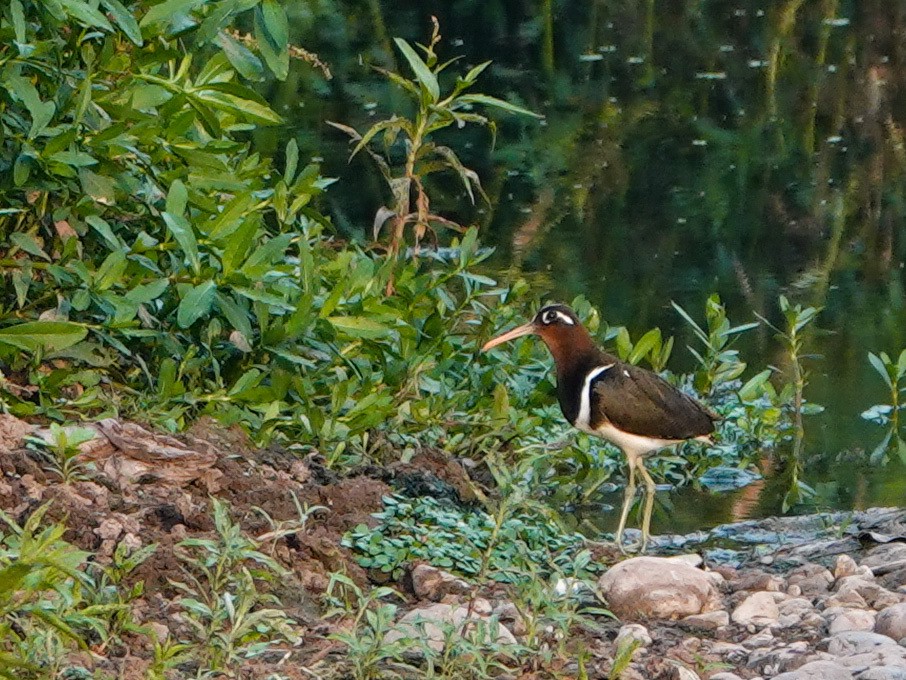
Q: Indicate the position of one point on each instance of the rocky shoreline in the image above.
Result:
(796, 598)
(793, 607)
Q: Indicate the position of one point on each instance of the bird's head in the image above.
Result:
(557, 325)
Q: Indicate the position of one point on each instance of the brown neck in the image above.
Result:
(572, 348)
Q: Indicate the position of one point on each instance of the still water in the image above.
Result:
(747, 148)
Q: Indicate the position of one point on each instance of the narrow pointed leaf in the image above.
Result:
(420, 68)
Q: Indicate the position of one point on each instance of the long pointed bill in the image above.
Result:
(518, 332)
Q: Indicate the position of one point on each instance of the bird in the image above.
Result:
(629, 406)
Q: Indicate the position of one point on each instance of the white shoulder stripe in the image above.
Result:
(583, 420)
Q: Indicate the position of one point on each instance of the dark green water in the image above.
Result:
(748, 148)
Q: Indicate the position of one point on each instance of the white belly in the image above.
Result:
(632, 445)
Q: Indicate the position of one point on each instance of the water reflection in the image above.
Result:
(749, 148)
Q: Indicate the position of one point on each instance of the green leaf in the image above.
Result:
(41, 112)
(493, 102)
(272, 33)
(47, 335)
(111, 270)
(147, 292)
(177, 198)
(103, 228)
(241, 58)
(166, 11)
(235, 314)
(879, 366)
(184, 235)
(247, 109)
(85, 14)
(420, 68)
(100, 188)
(125, 20)
(76, 159)
(292, 161)
(18, 14)
(28, 243)
(646, 343)
(358, 326)
(196, 304)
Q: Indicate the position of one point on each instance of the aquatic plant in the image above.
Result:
(435, 111)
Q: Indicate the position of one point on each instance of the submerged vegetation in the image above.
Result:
(165, 260)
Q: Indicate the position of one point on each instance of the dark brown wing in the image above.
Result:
(640, 402)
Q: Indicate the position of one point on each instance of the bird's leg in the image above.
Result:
(627, 503)
(650, 489)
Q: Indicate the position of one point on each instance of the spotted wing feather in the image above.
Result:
(640, 402)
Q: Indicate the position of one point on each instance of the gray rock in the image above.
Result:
(855, 642)
(656, 587)
(817, 670)
(845, 566)
(431, 583)
(725, 676)
(633, 631)
(431, 624)
(852, 619)
(785, 658)
(891, 621)
(692, 559)
(880, 673)
(706, 621)
(760, 640)
(757, 580)
(872, 592)
(812, 579)
(759, 609)
(884, 656)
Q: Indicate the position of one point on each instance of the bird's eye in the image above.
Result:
(550, 317)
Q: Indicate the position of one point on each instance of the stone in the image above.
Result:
(756, 580)
(633, 631)
(658, 588)
(759, 609)
(852, 619)
(817, 670)
(725, 676)
(812, 579)
(855, 642)
(891, 621)
(760, 640)
(872, 592)
(707, 621)
(692, 559)
(880, 673)
(431, 583)
(883, 656)
(682, 673)
(784, 658)
(509, 615)
(845, 566)
(432, 623)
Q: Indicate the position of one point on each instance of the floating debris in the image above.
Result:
(711, 75)
(757, 63)
(727, 48)
(635, 60)
(834, 139)
(591, 57)
(699, 142)
(837, 22)
(831, 68)
(607, 48)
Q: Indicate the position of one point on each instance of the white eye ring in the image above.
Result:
(553, 315)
